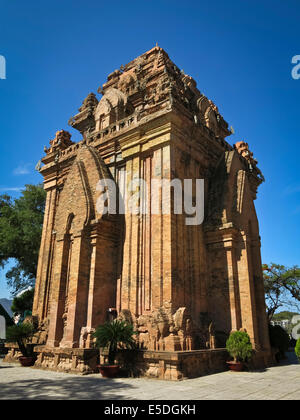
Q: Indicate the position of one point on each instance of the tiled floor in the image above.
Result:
(279, 382)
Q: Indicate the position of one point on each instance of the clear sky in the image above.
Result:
(238, 51)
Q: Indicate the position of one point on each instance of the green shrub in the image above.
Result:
(115, 335)
(239, 346)
(23, 303)
(279, 339)
(20, 334)
(297, 349)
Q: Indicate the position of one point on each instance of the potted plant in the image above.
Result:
(113, 335)
(21, 334)
(239, 347)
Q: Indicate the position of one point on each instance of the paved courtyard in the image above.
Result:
(281, 382)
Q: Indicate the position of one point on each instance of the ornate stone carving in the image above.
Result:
(211, 344)
(85, 121)
(61, 141)
(111, 108)
(256, 177)
(162, 330)
(243, 150)
(86, 337)
(41, 335)
(89, 103)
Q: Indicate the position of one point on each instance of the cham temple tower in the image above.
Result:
(184, 287)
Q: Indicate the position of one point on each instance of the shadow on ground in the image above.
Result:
(290, 359)
(66, 388)
(18, 383)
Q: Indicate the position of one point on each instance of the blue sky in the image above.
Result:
(238, 51)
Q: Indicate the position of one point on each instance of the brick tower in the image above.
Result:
(184, 286)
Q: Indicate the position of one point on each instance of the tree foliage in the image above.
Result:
(23, 302)
(279, 339)
(282, 287)
(21, 223)
(284, 315)
(21, 334)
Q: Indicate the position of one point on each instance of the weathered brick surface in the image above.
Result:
(184, 287)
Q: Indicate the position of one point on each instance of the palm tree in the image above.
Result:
(114, 335)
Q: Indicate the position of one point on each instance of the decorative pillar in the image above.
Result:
(130, 277)
(42, 285)
(79, 273)
(58, 292)
(90, 323)
(261, 314)
(233, 286)
(247, 292)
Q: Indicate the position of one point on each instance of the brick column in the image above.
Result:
(45, 255)
(260, 295)
(58, 292)
(102, 277)
(247, 292)
(79, 273)
(91, 293)
(129, 292)
(233, 286)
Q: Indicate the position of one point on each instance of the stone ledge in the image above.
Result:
(176, 365)
(68, 360)
(167, 365)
